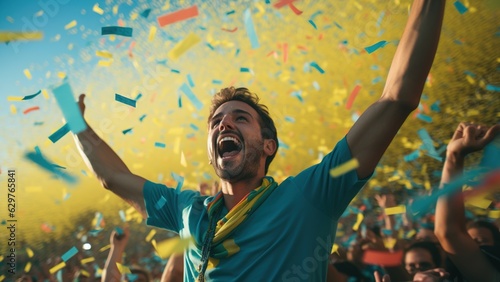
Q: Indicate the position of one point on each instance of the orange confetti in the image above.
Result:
(177, 16)
(353, 95)
(230, 30)
(28, 110)
(285, 52)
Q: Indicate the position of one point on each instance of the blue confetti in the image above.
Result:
(338, 25)
(377, 79)
(193, 126)
(289, 119)
(216, 81)
(283, 145)
(425, 118)
(29, 97)
(138, 96)
(119, 231)
(175, 71)
(161, 202)
(435, 107)
(230, 12)
(160, 145)
(313, 24)
(54, 137)
(316, 85)
(460, 7)
(117, 30)
(190, 81)
(142, 118)
(50, 167)
(316, 66)
(191, 96)
(69, 254)
(145, 13)
(122, 215)
(71, 112)
(210, 46)
(380, 18)
(127, 131)
(297, 94)
(491, 87)
(374, 47)
(125, 100)
(179, 179)
(250, 28)
(412, 156)
(244, 70)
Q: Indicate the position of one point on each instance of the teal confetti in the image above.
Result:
(29, 97)
(69, 254)
(375, 47)
(175, 71)
(494, 88)
(244, 70)
(142, 118)
(313, 24)
(460, 7)
(179, 179)
(54, 137)
(230, 12)
(250, 28)
(50, 167)
(128, 130)
(125, 100)
(216, 81)
(161, 202)
(160, 145)
(145, 13)
(317, 67)
(138, 96)
(190, 81)
(193, 126)
(72, 114)
(117, 30)
(425, 118)
(191, 96)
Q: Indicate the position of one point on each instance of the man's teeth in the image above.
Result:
(229, 139)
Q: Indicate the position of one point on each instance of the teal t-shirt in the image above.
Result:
(288, 238)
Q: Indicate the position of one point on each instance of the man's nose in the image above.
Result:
(225, 124)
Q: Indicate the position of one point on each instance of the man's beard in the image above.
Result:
(247, 168)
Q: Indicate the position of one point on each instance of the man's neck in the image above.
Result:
(233, 192)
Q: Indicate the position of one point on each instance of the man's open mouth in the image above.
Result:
(228, 146)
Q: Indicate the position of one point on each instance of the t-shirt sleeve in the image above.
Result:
(164, 205)
(329, 194)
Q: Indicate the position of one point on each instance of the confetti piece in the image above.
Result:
(383, 258)
(49, 166)
(69, 254)
(65, 99)
(150, 235)
(183, 160)
(179, 179)
(190, 81)
(28, 97)
(54, 137)
(160, 145)
(104, 54)
(107, 247)
(478, 202)
(181, 47)
(168, 247)
(97, 9)
(425, 118)
(142, 118)
(27, 268)
(359, 219)
(160, 203)
(374, 47)
(119, 231)
(10, 36)
(31, 109)
(145, 13)
(244, 70)
(250, 28)
(316, 66)
(123, 269)
(230, 30)
(103, 63)
(87, 260)
(352, 96)
(71, 24)
(27, 73)
(30, 252)
(494, 88)
(152, 33)
(117, 30)
(313, 24)
(460, 7)
(177, 16)
(395, 210)
(494, 214)
(57, 267)
(344, 168)
(125, 100)
(61, 74)
(191, 96)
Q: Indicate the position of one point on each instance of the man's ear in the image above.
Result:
(269, 147)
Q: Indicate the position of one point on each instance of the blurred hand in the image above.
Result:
(431, 275)
(470, 137)
(120, 240)
(385, 200)
(379, 278)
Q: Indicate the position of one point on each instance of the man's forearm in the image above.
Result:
(415, 53)
(99, 157)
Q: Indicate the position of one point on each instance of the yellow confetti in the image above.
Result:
(57, 267)
(7, 36)
(2, 277)
(39, 13)
(14, 98)
(395, 210)
(61, 74)
(335, 248)
(478, 202)
(70, 46)
(411, 233)
(150, 235)
(122, 268)
(472, 112)
(27, 73)
(494, 214)
(183, 160)
(168, 247)
(133, 16)
(104, 54)
(72, 24)
(10, 19)
(181, 47)
(112, 38)
(29, 252)
(152, 33)
(13, 109)
(470, 79)
(107, 247)
(115, 9)
(87, 260)
(344, 168)
(27, 268)
(389, 242)
(104, 63)
(1, 258)
(84, 273)
(97, 9)
(166, 6)
(356, 225)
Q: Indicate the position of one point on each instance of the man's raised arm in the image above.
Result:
(108, 167)
(373, 132)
